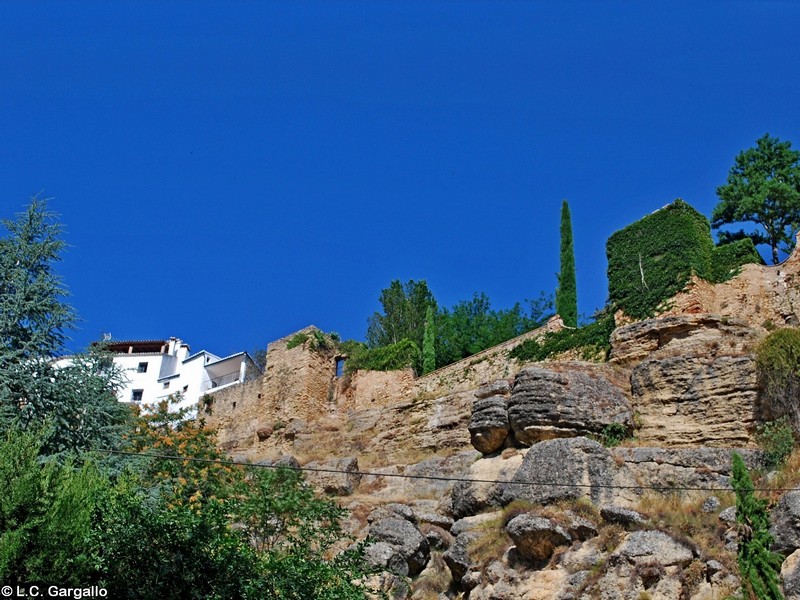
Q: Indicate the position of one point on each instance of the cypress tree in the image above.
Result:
(758, 565)
(567, 291)
(428, 349)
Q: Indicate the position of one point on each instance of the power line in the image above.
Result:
(663, 489)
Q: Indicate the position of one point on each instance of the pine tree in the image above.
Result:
(758, 565)
(567, 292)
(428, 349)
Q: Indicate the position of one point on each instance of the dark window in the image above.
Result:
(339, 367)
(142, 368)
(136, 395)
(166, 385)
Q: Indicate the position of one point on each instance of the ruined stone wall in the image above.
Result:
(236, 412)
(367, 389)
(299, 381)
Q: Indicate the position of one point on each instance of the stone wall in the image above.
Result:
(298, 382)
(236, 412)
(367, 389)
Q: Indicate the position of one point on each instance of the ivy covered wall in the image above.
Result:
(652, 259)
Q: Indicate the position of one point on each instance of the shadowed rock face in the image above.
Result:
(536, 537)
(546, 404)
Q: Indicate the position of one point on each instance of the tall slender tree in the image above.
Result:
(428, 348)
(567, 292)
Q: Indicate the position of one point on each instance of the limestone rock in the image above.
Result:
(578, 527)
(457, 556)
(562, 469)
(622, 516)
(392, 510)
(501, 387)
(710, 504)
(728, 515)
(652, 547)
(474, 523)
(691, 401)
(790, 575)
(386, 556)
(547, 404)
(473, 495)
(329, 478)
(488, 427)
(690, 335)
(404, 537)
(536, 538)
(785, 519)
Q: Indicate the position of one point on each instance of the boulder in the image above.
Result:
(339, 477)
(785, 518)
(403, 536)
(622, 516)
(652, 547)
(578, 527)
(385, 556)
(478, 491)
(579, 400)
(392, 510)
(488, 427)
(563, 469)
(457, 557)
(536, 538)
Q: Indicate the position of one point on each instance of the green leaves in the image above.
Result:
(567, 292)
(763, 188)
(759, 566)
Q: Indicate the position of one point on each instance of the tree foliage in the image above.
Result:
(75, 402)
(428, 342)
(404, 308)
(763, 188)
(471, 326)
(759, 566)
(567, 291)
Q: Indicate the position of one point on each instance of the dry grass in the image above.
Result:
(491, 543)
(786, 478)
(682, 517)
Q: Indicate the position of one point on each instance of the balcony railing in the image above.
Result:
(232, 377)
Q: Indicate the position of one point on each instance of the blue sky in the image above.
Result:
(230, 172)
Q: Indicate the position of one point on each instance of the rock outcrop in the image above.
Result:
(405, 539)
(488, 427)
(536, 538)
(785, 518)
(563, 469)
(573, 401)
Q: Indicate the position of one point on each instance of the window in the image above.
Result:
(136, 395)
(339, 367)
(142, 368)
(166, 385)
(185, 389)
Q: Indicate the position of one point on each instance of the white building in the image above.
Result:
(157, 369)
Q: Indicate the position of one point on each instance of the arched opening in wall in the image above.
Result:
(340, 366)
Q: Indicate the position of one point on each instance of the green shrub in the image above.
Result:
(778, 365)
(613, 435)
(298, 339)
(776, 440)
(591, 339)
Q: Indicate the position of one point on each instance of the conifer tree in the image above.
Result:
(758, 565)
(567, 292)
(428, 349)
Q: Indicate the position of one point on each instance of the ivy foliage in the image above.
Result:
(759, 566)
(591, 340)
(727, 258)
(653, 259)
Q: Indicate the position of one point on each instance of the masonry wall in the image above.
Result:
(236, 412)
